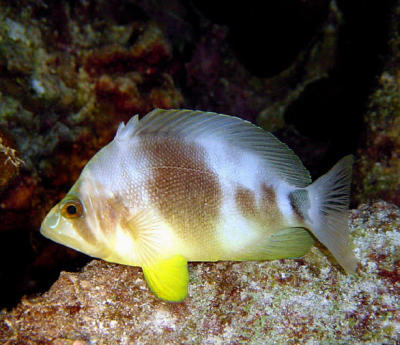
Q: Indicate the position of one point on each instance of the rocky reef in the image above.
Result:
(379, 164)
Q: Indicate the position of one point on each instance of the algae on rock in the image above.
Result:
(377, 170)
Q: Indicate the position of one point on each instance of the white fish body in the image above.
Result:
(183, 185)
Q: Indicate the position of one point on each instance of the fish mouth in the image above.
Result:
(58, 229)
(55, 231)
(55, 228)
(50, 223)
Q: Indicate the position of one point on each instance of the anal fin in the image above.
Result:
(288, 243)
(168, 278)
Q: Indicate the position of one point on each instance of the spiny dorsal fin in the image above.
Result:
(124, 132)
(192, 124)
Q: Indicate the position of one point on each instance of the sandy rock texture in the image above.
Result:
(309, 300)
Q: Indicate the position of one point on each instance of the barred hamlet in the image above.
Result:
(182, 185)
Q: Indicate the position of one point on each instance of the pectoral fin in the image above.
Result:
(288, 243)
(169, 278)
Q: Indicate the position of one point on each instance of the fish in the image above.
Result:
(187, 185)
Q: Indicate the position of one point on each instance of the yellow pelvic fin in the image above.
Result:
(169, 278)
(288, 243)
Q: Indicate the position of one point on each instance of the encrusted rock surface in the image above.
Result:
(378, 166)
(308, 301)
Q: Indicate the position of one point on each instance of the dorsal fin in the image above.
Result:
(124, 132)
(192, 124)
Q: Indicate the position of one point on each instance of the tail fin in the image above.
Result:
(329, 197)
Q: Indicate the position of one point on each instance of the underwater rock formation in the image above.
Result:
(219, 82)
(280, 302)
(378, 166)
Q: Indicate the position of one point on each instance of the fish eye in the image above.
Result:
(72, 209)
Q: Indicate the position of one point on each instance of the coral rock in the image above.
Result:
(379, 164)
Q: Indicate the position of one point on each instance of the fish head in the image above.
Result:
(88, 218)
(70, 222)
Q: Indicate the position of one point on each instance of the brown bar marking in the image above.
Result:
(184, 190)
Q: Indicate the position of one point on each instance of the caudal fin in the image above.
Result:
(329, 197)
